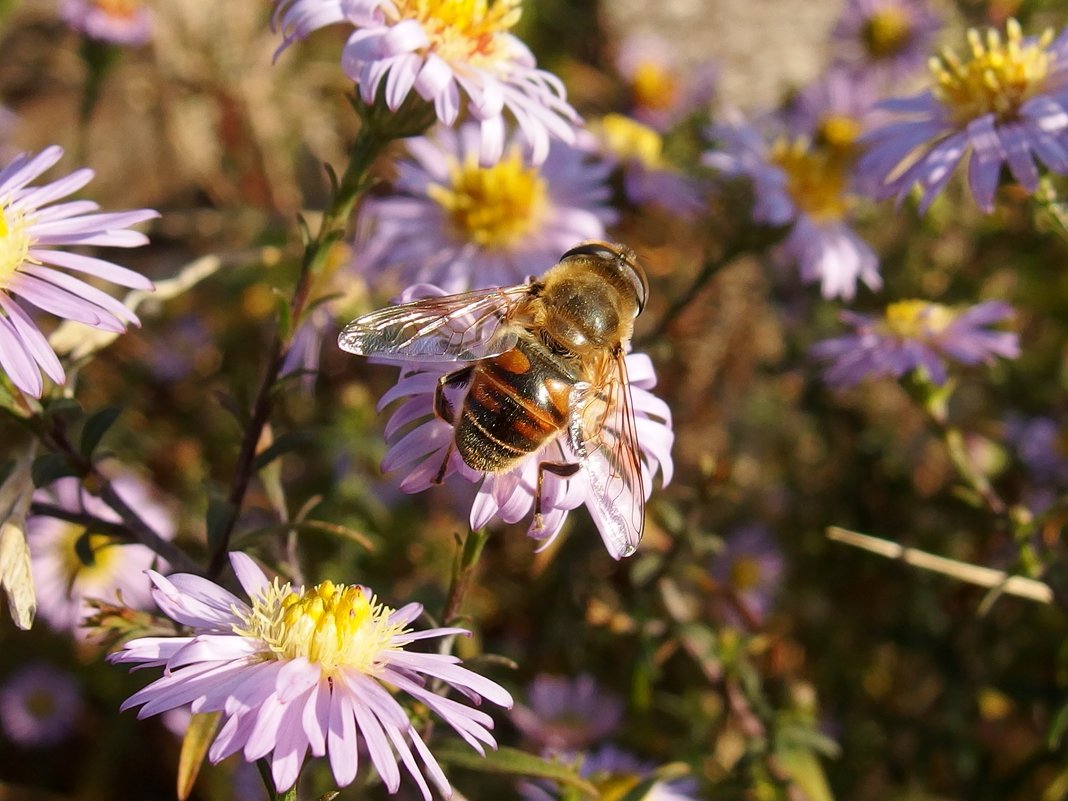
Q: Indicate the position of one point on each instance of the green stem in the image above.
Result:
(463, 569)
(369, 143)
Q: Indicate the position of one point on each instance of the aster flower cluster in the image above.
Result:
(917, 335)
(35, 268)
(446, 52)
(297, 670)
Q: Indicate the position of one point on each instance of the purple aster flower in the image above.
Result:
(421, 445)
(799, 182)
(31, 231)
(833, 111)
(751, 566)
(477, 225)
(663, 90)
(39, 705)
(648, 178)
(916, 335)
(296, 671)
(1041, 445)
(567, 714)
(615, 772)
(121, 22)
(887, 39)
(1006, 105)
(444, 50)
(64, 582)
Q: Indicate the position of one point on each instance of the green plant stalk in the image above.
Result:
(368, 145)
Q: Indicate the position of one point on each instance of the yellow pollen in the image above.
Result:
(745, 573)
(462, 30)
(998, 78)
(816, 178)
(492, 206)
(654, 87)
(123, 9)
(102, 566)
(629, 139)
(887, 32)
(331, 625)
(615, 786)
(838, 132)
(917, 319)
(14, 242)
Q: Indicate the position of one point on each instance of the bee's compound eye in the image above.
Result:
(597, 249)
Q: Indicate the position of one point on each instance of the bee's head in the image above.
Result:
(619, 260)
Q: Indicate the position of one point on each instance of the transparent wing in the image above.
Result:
(605, 437)
(464, 327)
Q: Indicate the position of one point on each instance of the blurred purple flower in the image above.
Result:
(121, 22)
(420, 442)
(751, 566)
(63, 581)
(30, 232)
(1005, 105)
(809, 186)
(567, 714)
(637, 150)
(614, 772)
(886, 39)
(1041, 445)
(481, 226)
(916, 335)
(298, 670)
(664, 91)
(443, 51)
(39, 705)
(833, 111)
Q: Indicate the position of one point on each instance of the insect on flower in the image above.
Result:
(539, 360)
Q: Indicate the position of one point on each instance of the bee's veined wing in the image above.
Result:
(464, 327)
(603, 434)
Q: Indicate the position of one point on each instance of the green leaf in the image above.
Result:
(289, 441)
(285, 316)
(512, 762)
(666, 773)
(1057, 728)
(220, 513)
(804, 769)
(195, 746)
(95, 428)
(50, 466)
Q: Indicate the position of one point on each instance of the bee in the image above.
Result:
(538, 360)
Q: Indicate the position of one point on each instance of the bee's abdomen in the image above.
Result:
(515, 403)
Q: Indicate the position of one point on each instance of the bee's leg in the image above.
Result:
(444, 410)
(442, 407)
(562, 469)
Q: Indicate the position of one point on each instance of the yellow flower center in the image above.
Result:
(615, 786)
(917, 319)
(629, 139)
(14, 242)
(887, 32)
(122, 9)
(462, 30)
(100, 571)
(838, 132)
(999, 77)
(653, 86)
(745, 573)
(492, 206)
(331, 625)
(816, 178)
(42, 704)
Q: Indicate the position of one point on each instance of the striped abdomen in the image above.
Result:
(515, 403)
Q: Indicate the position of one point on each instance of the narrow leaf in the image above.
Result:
(48, 467)
(512, 762)
(195, 746)
(289, 441)
(95, 428)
